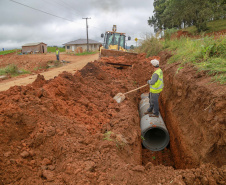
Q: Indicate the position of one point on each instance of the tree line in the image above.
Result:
(184, 13)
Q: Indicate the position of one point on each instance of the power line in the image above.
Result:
(41, 11)
(62, 5)
(67, 6)
(51, 3)
(48, 13)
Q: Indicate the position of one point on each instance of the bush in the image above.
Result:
(12, 70)
(152, 46)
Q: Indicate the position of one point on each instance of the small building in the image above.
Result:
(39, 47)
(80, 45)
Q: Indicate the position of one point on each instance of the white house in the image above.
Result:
(80, 45)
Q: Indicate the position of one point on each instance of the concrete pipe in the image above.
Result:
(143, 106)
(153, 130)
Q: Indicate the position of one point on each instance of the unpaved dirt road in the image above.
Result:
(76, 63)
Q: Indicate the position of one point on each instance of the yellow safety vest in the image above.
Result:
(158, 86)
(57, 52)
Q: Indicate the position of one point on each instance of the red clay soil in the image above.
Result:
(181, 33)
(35, 63)
(69, 130)
(27, 62)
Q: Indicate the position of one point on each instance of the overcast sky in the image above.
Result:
(20, 24)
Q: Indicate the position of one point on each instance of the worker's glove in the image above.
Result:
(149, 82)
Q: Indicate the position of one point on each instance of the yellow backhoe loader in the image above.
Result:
(114, 43)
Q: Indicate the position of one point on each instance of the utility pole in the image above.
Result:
(87, 33)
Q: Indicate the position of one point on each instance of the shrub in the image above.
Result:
(152, 46)
(12, 70)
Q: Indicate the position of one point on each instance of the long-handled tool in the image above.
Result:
(121, 96)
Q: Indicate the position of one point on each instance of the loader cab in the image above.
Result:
(114, 40)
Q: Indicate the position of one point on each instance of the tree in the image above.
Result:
(218, 9)
(182, 13)
(156, 21)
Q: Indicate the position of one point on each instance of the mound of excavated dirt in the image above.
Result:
(69, 130)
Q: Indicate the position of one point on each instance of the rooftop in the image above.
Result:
(33, 44)
(82, 41)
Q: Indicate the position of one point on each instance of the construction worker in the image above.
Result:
(57, 53)
(156, 86)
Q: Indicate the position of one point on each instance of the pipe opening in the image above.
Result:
(156, 139)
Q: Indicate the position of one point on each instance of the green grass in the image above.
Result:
(7, 52)
(53, 49)
(86, 53)
(37, 68)
(107, 135)
(12, 70)
(212, 26)
(207, 54)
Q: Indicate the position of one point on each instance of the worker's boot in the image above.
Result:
(153, 115)
(149, 110)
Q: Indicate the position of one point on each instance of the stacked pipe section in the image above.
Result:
(154, 133)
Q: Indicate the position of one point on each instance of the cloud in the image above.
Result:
(20, 24)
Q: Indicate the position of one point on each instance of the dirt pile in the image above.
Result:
(69, 130)
(52, 129)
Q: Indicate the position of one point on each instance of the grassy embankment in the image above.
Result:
(206, 54)
(212, 26)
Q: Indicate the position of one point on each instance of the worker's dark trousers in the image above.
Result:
(57, 56)
(154, 103)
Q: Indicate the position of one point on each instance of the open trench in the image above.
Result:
(69, 130)
(155, 137)
(194, 116)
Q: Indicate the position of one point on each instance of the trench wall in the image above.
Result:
(193, 109)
